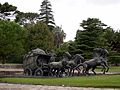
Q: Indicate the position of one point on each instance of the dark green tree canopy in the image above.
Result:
(11, 40)
(92, 24)
(39, 36)
(115, 42)
(92, 35)
(46, 13)
(7, 10)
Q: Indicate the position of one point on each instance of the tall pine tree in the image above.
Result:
(46, 13)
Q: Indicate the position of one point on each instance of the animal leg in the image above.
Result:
(103, 68)
(83, 71)
(87, 70)
(73, 72)
(50, 72)
(106, 64)
(70, 73)
(93, 70)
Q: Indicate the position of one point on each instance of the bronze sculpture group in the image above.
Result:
(39, 63)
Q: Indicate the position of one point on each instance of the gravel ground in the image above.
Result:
(6, 86)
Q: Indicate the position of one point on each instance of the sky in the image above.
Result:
(69, 13)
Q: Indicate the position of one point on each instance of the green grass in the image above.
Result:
(104, 81)
(114, 69)
(111, 69)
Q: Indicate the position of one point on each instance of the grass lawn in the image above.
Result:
(111, 69)
(99, 81)
(103, 81)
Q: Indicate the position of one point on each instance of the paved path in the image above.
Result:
(5, 86)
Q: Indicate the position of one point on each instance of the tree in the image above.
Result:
(26, 18)
(39, 37)
(12, 38)
(92, 24)
(115, 43)
(46, 13)
(113, 39)
(59, 36)
(92, 36)
(114, 58)
(7, 11)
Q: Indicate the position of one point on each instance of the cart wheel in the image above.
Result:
(38, 72)
(28, 72)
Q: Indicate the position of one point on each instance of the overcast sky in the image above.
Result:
(70, 13)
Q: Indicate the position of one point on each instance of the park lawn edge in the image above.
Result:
(103, 81)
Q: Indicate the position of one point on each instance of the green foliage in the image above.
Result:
(92, 36)
(46, 15)
(12, 38)
(25, 18)
(39, 36)
(92, 24)
(62, 49)
(114, 58)
(7, 10)
(115, 44)
(73, 48)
